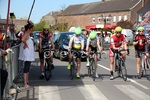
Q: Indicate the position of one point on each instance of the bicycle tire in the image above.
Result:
(47, 71)
(93, 69)
(142, 66)
(72, 69)
(123, 70)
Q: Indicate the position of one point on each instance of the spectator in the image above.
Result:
(26, 53)
(20, 34)
(85, 32)
(4, 75)
(1, 38)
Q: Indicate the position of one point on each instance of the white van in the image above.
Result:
(129, 35)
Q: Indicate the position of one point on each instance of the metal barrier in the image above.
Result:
(10, 62)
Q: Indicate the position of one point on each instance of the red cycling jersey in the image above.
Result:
(117, 41)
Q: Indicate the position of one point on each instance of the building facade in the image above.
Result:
(102, 12)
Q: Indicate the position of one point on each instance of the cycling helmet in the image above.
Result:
(92, 35)
(78, 30)
(118, 29)
(140, 28)
(46, 26)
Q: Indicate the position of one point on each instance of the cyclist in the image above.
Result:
(44, 39)
(92, 44)
(148, 41)
(76, 43)
(118, 42)
(139, 43)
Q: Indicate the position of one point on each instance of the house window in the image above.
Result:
(119, 18)
(100, 19)
(125, 17)
(108, 19)
(114, 18)
(140, 18)
(93, 20)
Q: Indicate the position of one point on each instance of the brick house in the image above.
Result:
(102, 12)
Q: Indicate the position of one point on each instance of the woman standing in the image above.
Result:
(26, 53)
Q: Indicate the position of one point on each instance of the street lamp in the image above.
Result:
(12, 16)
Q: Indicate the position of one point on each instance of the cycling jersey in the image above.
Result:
(147, 35)
(45, 39)
(141, 46)
(93, 43)
(117, 41)
(77, 41)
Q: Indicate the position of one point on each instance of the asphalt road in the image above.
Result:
(61, 87)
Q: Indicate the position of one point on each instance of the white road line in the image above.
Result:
(90, 92)
(49, 93)
(133, 92)
(133, 81)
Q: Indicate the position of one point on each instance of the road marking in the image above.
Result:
(49, 93)
(133, 92)
(131, 80)
(90, 92)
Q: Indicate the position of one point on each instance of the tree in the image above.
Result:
(39, 26)
(125, 24)
(146, 19)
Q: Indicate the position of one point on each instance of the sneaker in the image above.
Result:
(77, 75)
(96, 75)
(42, 76)
(111, 77)
(69, 67)
(139, 76)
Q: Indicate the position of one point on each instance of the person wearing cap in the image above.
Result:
(26, 52)
(44, 39)
(92, 45)
(117, 42)
(139, 42)
(76, 43)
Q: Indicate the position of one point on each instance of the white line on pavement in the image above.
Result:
(133, 81)
(133, 92)
(90, 92)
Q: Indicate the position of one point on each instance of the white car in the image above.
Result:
(129, 35)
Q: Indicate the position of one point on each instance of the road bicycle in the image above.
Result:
(73, 68)
(92, 66)
(144, 65)
(120, 66)
(47, 64)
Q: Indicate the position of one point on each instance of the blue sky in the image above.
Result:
(21, 8)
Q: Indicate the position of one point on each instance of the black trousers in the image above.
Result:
(3, 75)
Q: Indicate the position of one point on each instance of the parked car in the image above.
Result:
(35, 38)
(61, 43)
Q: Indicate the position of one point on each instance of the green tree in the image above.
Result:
(39, 26)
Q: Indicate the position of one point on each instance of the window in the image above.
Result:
(140, 18)
(107, 19)
(100, 19)
(119, 18)
(125, 17)
(114, 18)
(93, 20)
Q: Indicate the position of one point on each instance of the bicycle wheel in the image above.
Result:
(72, 69)
(93, 69)
(123, 70)
(142, 66)
(47, 70)
(89, 70)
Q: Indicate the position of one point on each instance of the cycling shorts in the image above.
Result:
(138, 53)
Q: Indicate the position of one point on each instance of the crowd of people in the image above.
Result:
(116, 41)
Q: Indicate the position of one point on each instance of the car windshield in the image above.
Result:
(66, 37)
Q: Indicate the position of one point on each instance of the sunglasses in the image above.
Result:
(141, 31)
(118, 32)
(46, 29)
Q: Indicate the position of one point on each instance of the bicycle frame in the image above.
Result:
(119, 62)
(145, 62)
(92, 67)
(47, 64)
